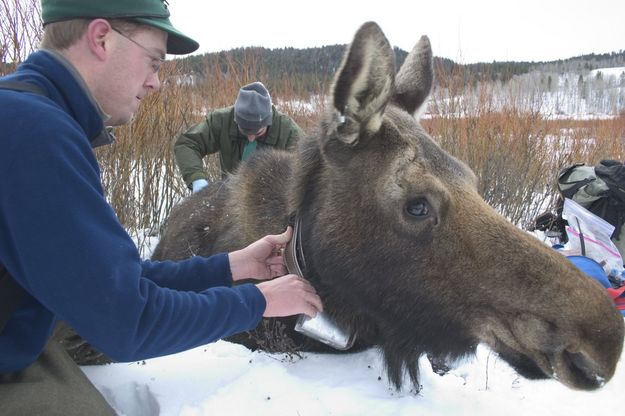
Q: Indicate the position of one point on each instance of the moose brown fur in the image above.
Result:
(398, 243)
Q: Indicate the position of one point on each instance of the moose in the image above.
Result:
(397, 241)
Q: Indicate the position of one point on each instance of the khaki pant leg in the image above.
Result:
(52, 385)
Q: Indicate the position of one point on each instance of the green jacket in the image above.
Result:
(219, 133)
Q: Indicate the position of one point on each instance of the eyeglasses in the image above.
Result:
(157, 61)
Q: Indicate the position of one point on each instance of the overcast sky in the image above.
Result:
(465, 31)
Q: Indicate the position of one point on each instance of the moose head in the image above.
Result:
(399, 244)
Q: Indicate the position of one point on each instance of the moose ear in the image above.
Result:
(364, 82)
(415, 77)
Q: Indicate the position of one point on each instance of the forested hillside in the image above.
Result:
(311, 69)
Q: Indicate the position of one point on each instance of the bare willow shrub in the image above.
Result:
(20, 31)
(594, 140)
(515, 149)
(303, 107)
(505, 142)
(138, 170)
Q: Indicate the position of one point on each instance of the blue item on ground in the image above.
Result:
(591, 268)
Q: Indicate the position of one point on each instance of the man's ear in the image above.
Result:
(98, 36)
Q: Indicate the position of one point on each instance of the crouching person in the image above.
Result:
(63, 253)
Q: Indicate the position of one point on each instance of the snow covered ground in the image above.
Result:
(228, 379)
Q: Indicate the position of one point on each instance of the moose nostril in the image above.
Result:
(584, 369)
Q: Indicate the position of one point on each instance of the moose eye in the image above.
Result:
(419, 209)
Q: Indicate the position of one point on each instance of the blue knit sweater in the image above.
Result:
(62, 242)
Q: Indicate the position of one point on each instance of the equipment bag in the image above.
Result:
(601, 190)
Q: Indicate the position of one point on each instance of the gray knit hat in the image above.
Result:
(252, 109)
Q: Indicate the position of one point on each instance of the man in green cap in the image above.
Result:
(64, 254)
(253, 122)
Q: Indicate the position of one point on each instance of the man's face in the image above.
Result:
(253, 135)
(133, 67)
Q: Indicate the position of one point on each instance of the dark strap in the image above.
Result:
(563, 179)
(582, 245)
(10, 291)
(10, 294)
(22, 86)
(568, 193)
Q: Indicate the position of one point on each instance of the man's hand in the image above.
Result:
(263, 259)
(290, 295)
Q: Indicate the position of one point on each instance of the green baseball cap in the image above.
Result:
(148, 12)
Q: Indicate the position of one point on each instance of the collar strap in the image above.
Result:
(294, 252)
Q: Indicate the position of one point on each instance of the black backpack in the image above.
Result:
(600, 189)
(612, 207)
